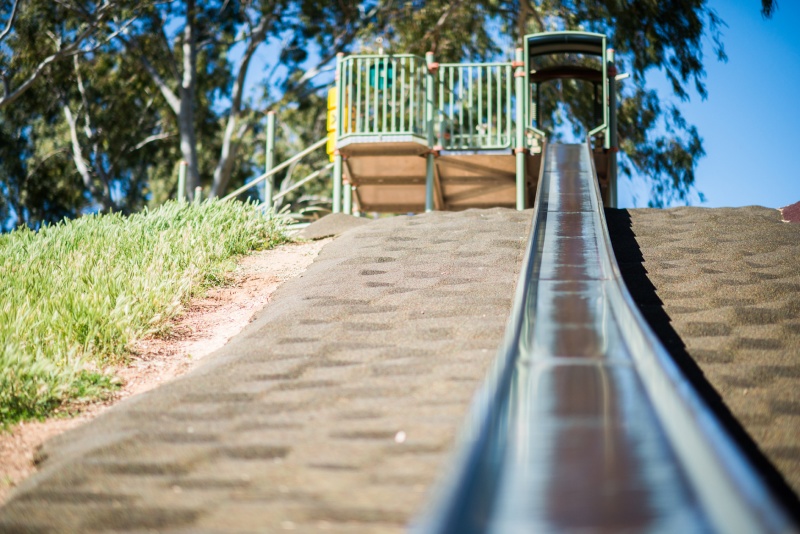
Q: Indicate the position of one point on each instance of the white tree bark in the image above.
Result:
(80, 163)
(231, 138)
(188, 89)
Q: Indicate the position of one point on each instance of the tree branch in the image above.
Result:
(434, 32)
(43, 160)
(230, 141)
(77, 153)
(10, 22)
(173, 64)
(172, 99)
(151, 138)
(8, 98)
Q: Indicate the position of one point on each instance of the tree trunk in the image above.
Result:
(222, 173)
(186, 112)
(231, 139)
(80, 164)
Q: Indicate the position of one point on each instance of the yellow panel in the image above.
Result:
(330, 146)
(332, 113)
(332, 98)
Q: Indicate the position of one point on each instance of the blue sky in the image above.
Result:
(751, 120)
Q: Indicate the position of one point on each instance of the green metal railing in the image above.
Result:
(270, 173)
(443, 107)
(382, 94)
(474, 106)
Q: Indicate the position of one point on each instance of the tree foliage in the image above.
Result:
(102, 99)
(664, 36)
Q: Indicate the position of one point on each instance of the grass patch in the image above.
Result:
(74, 296)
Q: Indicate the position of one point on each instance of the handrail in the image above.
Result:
(474, 105)
(536, 131)
(277, 169)
(381, 94)
(487, 64)
(303, 181)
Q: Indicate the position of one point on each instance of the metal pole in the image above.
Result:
(337, 157)
(347, 191)
(182, 181)
(519, 150)
(198, 194)
(612, 128)
(277, 168)
(302, 182)
(269, 161)
(429, 164)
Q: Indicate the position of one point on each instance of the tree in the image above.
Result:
(768, 7)
(67, 146)
(212, 29)
(647, 36)
(109, 95)
(80, 28)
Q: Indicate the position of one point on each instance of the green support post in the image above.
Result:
(337, 157)
(347, 201)
(612, 130)
(337, 182)
(182, 181)
(269, 161)
(519, 150)
(430, 92)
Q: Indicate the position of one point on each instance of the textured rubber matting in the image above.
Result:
(721, 288)
(334, 410)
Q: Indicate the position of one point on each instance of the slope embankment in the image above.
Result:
(334, 409)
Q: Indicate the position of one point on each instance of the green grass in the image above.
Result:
(75, 296)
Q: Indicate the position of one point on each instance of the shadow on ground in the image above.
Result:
(631, 263)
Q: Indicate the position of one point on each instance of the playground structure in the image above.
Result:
(412, 134)
(408, 134)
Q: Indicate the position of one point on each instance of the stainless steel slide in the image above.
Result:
(585, 424)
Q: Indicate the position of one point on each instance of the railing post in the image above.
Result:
(347, 201)
(612, 130)
(519, 150)
(181, 196)
(430, 92)
(269, 160)
(337, 156)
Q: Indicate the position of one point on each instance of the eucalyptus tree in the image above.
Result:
(28, 47)
(55, 162)
(173, 38)
(666, 36)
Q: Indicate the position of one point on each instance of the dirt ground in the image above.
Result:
(206, 325)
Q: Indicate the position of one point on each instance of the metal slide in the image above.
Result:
(585, 424)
